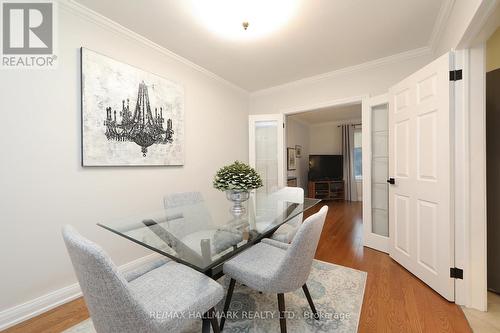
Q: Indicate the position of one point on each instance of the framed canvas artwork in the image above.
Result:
(130, 117)
(290, 152)
(298, 151)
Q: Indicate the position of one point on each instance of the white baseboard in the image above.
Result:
(37, 306)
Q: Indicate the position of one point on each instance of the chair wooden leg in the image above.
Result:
(281, 308)
(227, 302)
(310, 301)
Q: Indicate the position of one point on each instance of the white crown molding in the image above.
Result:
(86, 13)
(37, 306)
(104, 22)
(422, 51)
(440, 24)
(324, 104)
(483, 24)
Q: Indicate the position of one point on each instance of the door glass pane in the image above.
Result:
(266, 154)
(380, 171)
(358, 155)
(380, 144)
(380, 219)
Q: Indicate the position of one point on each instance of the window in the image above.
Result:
(358, 155)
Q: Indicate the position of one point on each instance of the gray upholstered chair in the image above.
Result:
(276, 267)
(180, 199)
(195, 237)
(141, 270)
(154, 301)
(287, 231)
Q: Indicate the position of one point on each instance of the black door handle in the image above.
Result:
(391, 181)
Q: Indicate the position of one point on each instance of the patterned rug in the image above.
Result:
(337, 292)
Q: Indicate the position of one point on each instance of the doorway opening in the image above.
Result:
(324, 153)
(493, 182)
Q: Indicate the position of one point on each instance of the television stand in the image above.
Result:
(326, 189)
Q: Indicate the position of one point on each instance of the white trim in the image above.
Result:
(461, 193)
(440, 24)
(475, 250)
(422, 51)
(316, 106)
(37, 306)
(482, 25)
(379, 100)
(471, 241)
(370, 239)
(104, 22)
(88, 14)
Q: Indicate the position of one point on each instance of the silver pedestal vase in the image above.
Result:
(238, 197)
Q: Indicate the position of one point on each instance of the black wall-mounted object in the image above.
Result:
(326, 167)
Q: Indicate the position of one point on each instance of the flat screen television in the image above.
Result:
(325, 167)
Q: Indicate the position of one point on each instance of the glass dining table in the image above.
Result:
(204, 235)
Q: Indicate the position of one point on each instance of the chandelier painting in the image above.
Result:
(140, 126)
(130, 117)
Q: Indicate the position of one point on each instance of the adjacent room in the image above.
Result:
(324, 154)
(249, 166)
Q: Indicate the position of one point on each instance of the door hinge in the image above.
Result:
(456, 273)
(456, 75)
(283, 125)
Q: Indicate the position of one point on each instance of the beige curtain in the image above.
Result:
(348, 160)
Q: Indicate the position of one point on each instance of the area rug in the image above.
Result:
(337, 292)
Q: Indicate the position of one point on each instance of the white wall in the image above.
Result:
(297, 133)
(43, 185)
(326, 139)
(369, 79)
(373, 79)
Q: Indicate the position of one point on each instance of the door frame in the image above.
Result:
(361, 99)
(365, 101)
(471, 229)
(470, 182)
(371, 240)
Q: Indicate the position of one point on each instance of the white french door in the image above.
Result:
(266, 149)
(375, 173)
(420, 171)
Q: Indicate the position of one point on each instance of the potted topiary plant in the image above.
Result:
(237, 180)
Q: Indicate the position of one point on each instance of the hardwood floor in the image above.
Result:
(55, 320)
(395, 300)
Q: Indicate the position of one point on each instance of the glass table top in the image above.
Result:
(205, 234)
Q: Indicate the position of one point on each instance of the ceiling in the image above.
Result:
(322, 36)
(329, 114)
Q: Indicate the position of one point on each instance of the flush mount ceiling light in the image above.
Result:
(248, 19)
